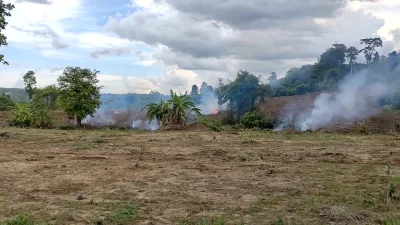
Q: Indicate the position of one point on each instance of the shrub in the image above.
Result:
(255, 119)
(5, 102)
(34, 115)
(21, 115)
(40, 115)
(212, 124)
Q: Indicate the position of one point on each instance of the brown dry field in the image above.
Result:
(129, 177)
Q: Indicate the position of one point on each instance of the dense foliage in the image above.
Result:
(5, 11)
(47, 96)
(242, 94)
(246, 90)
(79, 94)
(256, 119)
(30, 83)
(34, 114)
(5, 102)
(174, 111)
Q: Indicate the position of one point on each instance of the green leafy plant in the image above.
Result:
(21, 115)
(255, 119)
(5, 102)
(47, 96)
(174, 111)
(40, 115)
(79, 95)
(31, 114)
(212, 124)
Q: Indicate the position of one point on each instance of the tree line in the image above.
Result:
(77, 93)
(247, 91)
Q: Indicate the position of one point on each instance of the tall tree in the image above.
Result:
(393, 60)
(79, 94)
(377, 57)
(30, 83)
(194, 94)
(47, 96)
(351, 55)
(195, 90)
(334, 56)
(242, 93)
(5, 11)
(272, 78)
(371, 44)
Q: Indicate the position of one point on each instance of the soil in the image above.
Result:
(183, 177)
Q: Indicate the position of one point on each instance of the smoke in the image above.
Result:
(355, 100)
(208, 103)
(145, 125)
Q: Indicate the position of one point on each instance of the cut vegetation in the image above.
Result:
(197, 177)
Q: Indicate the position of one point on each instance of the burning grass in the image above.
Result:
(130, 177)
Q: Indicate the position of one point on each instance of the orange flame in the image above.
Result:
(215, 112)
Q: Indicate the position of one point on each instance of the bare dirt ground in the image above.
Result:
(126, 177)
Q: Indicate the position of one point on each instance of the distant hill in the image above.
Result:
(109, 101)
(16, 94)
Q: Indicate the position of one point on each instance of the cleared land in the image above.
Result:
(127, 177)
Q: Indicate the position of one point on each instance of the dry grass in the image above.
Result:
(189, 177)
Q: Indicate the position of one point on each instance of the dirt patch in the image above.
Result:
(127, 177)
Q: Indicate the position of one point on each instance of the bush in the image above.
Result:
(212, 124)
(40, 115)
(255, 119)
(5, 102)
(31, 115)
(21, 115)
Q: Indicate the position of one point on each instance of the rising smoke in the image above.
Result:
(119, 112)
(355, 100)
(209, 104)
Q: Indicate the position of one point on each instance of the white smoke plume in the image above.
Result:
(145, 125)
(209, 104)
(355, 100)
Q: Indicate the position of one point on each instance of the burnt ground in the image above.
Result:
(126, 177)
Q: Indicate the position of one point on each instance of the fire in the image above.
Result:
(215, 112)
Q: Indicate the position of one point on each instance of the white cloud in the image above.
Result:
(194, 44)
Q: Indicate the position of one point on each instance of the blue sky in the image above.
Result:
(144, 45)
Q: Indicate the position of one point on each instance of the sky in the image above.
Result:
(157, 45)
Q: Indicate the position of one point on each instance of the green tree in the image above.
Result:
(195, 94)
(174, 111)
(159, 112)
(371, 44)
(242, 94)
(377, 57)
(47, 95)
(180, 106)
(5, 11)
(30, 83)
(272, 78)
(334, 56)
(351, 55)
(79, 93)
(5, 102)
